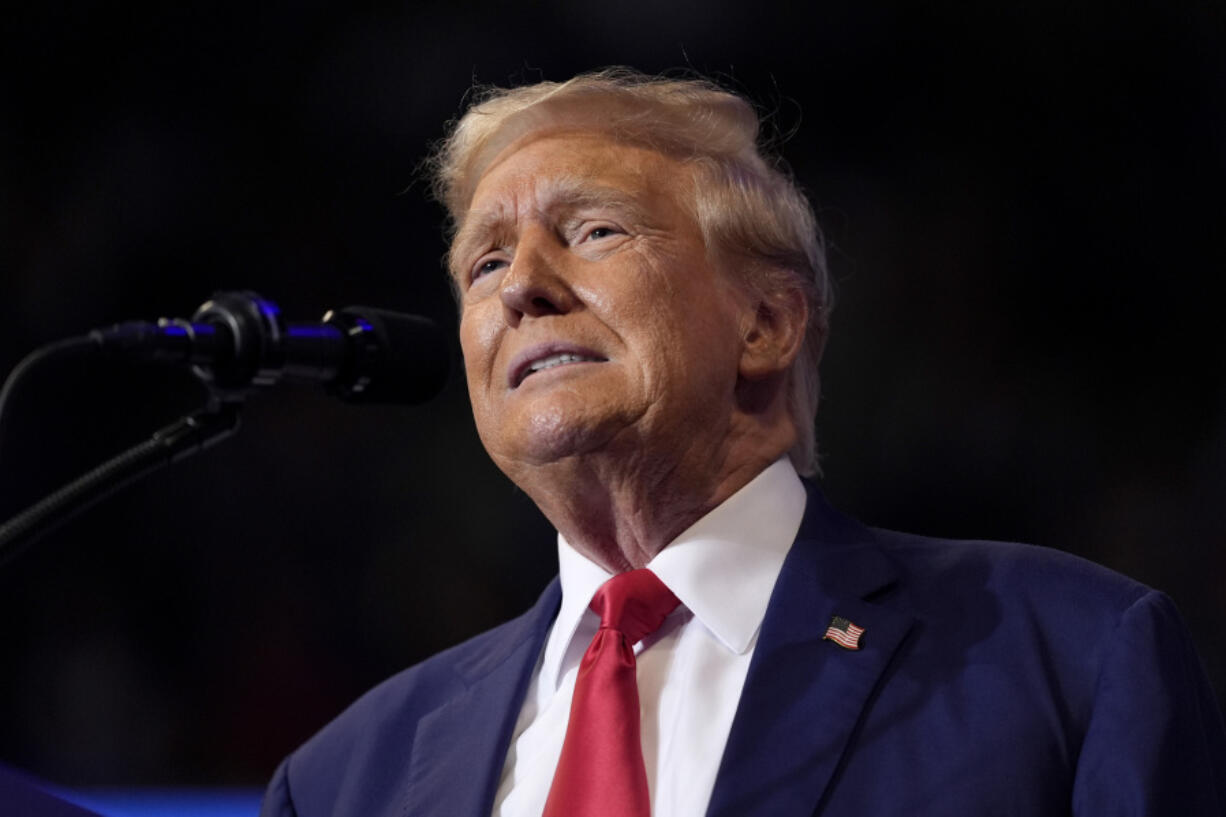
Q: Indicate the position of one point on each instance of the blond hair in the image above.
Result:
(748, 206)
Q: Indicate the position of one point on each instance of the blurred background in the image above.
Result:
(1025, 209)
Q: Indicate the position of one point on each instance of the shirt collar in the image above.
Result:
(722, 568)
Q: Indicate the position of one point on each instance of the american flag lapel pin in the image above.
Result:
(844, 633)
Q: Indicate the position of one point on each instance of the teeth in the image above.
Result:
(558, 360)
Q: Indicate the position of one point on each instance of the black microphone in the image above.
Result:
(238, 340)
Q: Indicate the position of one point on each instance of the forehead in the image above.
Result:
(573, 168)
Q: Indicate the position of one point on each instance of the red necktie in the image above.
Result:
(601, 772)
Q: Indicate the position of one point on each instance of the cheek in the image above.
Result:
(478, 339)
(699, 343)
(635, 301)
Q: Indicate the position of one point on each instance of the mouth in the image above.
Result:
(541, 359)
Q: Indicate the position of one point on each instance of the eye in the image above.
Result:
(603, 231)
(487, 265)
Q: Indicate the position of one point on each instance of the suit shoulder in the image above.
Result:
(418, 687)
(378, 729)
(425, 685)
(1025, 574)
(1036, 627)
(394, 705)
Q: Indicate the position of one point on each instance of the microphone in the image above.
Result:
(238, 340)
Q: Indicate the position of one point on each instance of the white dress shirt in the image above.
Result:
(690, 672)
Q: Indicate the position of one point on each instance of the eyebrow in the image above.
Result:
(557, 196)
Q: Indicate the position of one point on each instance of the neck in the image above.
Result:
(621, 511)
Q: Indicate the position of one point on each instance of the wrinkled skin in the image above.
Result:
(580, 245)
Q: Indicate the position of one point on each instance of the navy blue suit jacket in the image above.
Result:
(993, 679)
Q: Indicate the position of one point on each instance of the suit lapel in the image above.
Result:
(804, 696)
(459, 748)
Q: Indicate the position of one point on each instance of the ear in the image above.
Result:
(774, 333)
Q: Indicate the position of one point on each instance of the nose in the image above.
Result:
(536, 284)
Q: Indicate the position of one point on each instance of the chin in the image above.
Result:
(555, 435)
(552, 433)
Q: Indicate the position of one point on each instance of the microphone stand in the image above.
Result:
(249, 320)
(235, 342)
(179, 440)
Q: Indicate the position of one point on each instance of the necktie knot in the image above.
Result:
(635, 603)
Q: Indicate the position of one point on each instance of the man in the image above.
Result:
(643, 305)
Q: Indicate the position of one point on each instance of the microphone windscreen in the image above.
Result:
(395, 358)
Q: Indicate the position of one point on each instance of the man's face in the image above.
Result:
(593, 319)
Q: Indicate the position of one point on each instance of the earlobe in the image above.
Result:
(774, 334)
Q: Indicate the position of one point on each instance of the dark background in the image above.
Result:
(1025, 206)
